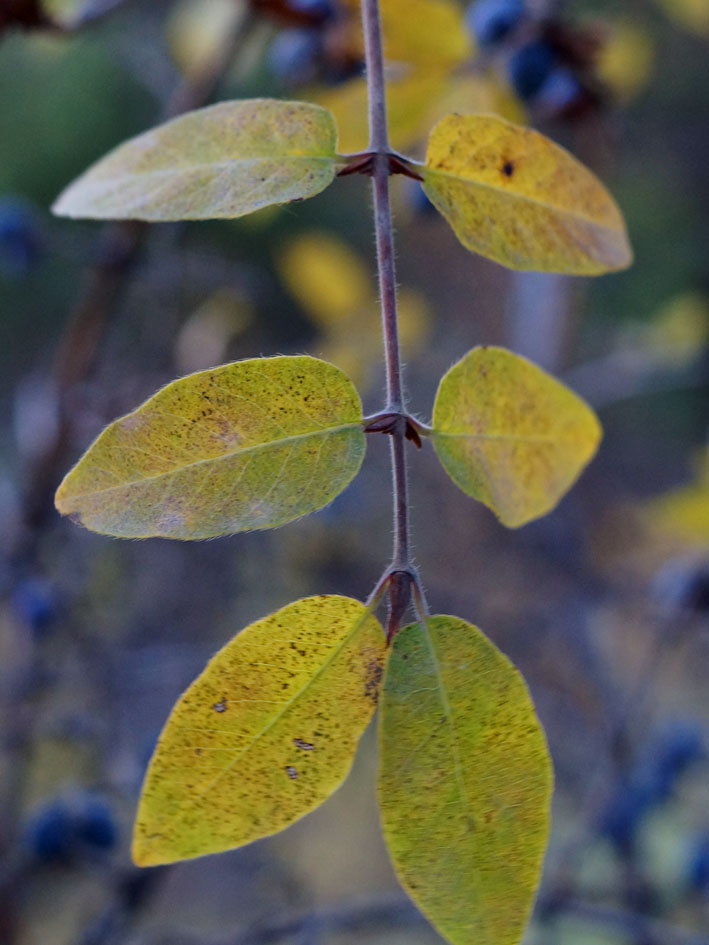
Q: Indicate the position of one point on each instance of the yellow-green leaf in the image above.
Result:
(516, 197)
(465, 781)
(252, 444)
(222, 161)
(510, 435)
(265, 734)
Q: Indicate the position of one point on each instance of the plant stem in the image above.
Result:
(379, 147)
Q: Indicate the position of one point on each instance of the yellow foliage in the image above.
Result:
(196, 29)
(510, 435)
(325, 276)
(465, 781)
(681, 330)
(625, 62)
(337, 291)
(254, 444)
(684, 513)
(691, 14)
(265, 734)
(222, 161)
(516, 197)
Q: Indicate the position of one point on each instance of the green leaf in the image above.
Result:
(510, 435)
(464, 783)
(516, 197)
(254, 444)
(265, 734)
(223, 161)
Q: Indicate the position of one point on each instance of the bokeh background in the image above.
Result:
(603, 605)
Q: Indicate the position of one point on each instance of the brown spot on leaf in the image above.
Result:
(371, 683)
(508, 168)
(221, 705)
(291, 772)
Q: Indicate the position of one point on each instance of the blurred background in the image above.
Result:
(603, 605)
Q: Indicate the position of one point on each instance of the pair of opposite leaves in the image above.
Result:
(508, 192)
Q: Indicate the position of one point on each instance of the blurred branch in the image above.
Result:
(394, 910)
(639, 927)
(118, 249)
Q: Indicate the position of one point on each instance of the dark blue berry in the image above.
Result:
(21, 240)
(294, 54)
(683, 583)
(96, 824)
(674, 750)
(698, 865)
(559, 92)
(34, 602)
(49, 834)
(491, 21)
(319, 10)
(529, 67)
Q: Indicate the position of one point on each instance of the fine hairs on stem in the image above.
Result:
(402, 573)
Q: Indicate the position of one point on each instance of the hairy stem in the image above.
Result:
(379, 147)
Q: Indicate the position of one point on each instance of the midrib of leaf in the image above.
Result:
(274, 721)
(458, 766)
(128, 483)
(443, 695)
(174, 171)
(534, 201)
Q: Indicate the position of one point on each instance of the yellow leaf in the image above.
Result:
(254, 444)
(684, 512)
(196, 30)
(691, 14)
(222, 161)
(625, 61)
(427, 33)
(516, 197)
(510, 435)
(430, 34)
(410, 99)
(326, 277)
(265, 734)
(465, 781)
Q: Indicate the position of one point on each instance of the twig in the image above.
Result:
(392, 910)
(379, 149)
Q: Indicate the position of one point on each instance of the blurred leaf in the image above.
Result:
(691, 14)
(680, 332)
(464, 782)
(203, 339)
(684, 512)
(196, 29)
(626, 60)
(510, 435)
(325, 276)
(410, 99)
(254, 444)
(516, 197)
(336, 289)
(222, 161)
(265, 734)
(427, 33)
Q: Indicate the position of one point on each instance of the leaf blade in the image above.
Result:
(222, 161)
(451, 701)
(514, 196)
(252, 444)
(510, 435)
(315, 666)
